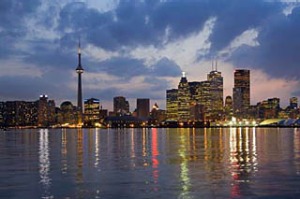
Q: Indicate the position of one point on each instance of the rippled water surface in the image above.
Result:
(150, 163)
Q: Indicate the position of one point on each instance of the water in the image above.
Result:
(150, 163)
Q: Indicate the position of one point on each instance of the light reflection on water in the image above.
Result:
(150, 163)
(44, 161)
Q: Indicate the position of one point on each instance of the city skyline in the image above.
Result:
(139, 49)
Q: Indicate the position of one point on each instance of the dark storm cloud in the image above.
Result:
(278, 50)
(12, 23)
(123, 67)
(142, 24)
(26, 87)
(135, 23)
(46, 54)
(126, 68)
(235, 16)
(13, 12)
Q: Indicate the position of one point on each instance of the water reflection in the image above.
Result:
(155, 153)
(64, 151)
(243, 161)
(97, 148)
(79, 156)
(152, 163)
(44, 161)
(184, 169)
(297, 150)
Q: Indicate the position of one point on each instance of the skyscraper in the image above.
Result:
(43, 111)
(79, 71)
(143, 108)
(216, 93)
(172, 104)
(184, 99)
(241, 92)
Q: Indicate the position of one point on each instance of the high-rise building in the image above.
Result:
(184, 99)
(91, 111)
(79, 71)
(18, 113)
(43, 111)
(143, 108)
(172, 104)
(216, 90)
(121, 105)
(204, 99)
(46, 111)
(51, 112)
(241, 92)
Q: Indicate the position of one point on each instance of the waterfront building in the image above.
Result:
(269, 109)
(143, 108)
(18, 113)
(216, 94)
(46, 111)
(157, 115)
(121, 105)
(51, 112)
(184, 99)
(91, 111)
(43, 111)
(203, 97)
(172, 104)
(241, 92)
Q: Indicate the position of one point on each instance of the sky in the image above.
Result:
(138, 49)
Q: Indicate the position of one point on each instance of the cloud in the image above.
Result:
(135, 48)
(235, 17)
(165, 67)
(277, 52)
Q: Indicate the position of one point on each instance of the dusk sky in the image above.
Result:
(139, 48)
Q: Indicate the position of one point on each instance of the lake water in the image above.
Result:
(150, 163)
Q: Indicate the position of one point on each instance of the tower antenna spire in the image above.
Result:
(216, 64)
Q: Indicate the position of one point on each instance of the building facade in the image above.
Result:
(241, 92)
(184, 99)
(91, 111)
(143, 108)
(172, 104)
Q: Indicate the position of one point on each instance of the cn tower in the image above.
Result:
(79, 71)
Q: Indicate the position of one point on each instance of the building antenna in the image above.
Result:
(216, 64)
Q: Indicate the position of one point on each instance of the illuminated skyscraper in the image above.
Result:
(216, 93)
(241, 92)
(79, 71)
(43, 111)
(172, 104)
(204, 98)
(184, 99)
(143, 108)
(91, 111)
(46, 111)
